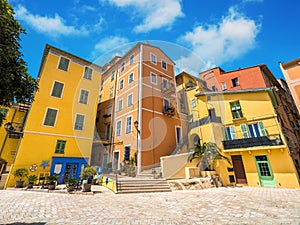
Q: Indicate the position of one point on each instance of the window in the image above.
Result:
(153, 58)
(50, 117)
(235, 82)
(127, 153)
(164, 64)
(107, 136)
(3, 112)
(60, 146)
(122, 67)
(231, 134)
(214, 88)
(131, 60)
(128, 124)
(166, 104)
(84, 94)
(79, 122)
(100, 99)
(111, 92)
(262, 128)
(88, 73)
(244, 130)
(153, 78)
(253, 130)
(120, 105)
(101, 86)
(63, 64)
(194, 103)
(224, 87)
(57, 89)
(236, 110)
(112, 75)
(119, 128)
(130, 78)
(121, 84)
(164, 83)
(129, 100)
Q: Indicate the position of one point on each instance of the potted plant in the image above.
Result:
(71, 184)
(207, 154)
(20, 173)
(87, 175)
(52, 180)
(31, 179)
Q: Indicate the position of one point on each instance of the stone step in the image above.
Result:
(143, 191)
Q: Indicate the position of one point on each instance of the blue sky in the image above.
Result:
(197, 34)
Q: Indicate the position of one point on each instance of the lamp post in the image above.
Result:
(138, 132)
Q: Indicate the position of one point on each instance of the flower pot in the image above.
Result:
(19, 184)
(86, 187)
(51, 186)
(30, 185)
(70, 188)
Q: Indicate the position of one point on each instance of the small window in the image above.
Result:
(214, 88)
(60, 146)
(119, 128)
(236, 110)
(101, 86)
(3, 111)
(129, 100)
(121, 84)
(57, 89)
(120, 105)
(84, 94)
(166, 104)
(111, 92)
(122, 67)
(130, 78)
(194, 103)
(128, 124)
(79, 122)
(88, 73)
(50, 117)
(127, 153)
(153, 78)
(100, 99)
(131, 60)
(153, 58)
(112, 75)
(63, 64)
(235, 82)
(164, 64)
(164, 83)
(224, 87)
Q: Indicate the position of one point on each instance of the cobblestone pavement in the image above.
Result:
(239, 205)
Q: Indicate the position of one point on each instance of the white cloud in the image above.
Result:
(156, 14)
(53, 26)
(110, 43)
(231, 38)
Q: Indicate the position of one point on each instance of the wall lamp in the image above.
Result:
(136, 125)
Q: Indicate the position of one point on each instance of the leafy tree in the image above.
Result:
(206, 154)
(16, 85)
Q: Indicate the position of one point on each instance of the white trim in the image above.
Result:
(155, 78)
(120, 69)
(130, 59)
(120, 128)
(121, 99)
(127, 90)
(61, 90)
(176, 134)
(87, 100)
(140, 98)
(159, 71)
(152, 54)
(84, 73)
(82, 123)
(120, 84)
(127, 72)
(147, 85)
(124, 114)
(57, 67)
(56, 135)
(45, 114)
(162, 60)
(130, 124)
(129, 78)
(113, 157)
(131, 99)
(162, 81)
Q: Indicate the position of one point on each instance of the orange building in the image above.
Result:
(138, 116)
(291, 72)
(260, 77)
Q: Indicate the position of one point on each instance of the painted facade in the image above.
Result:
(59, 129)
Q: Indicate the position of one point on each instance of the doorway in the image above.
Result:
(239, 170)
(116, 159)
(264, 170)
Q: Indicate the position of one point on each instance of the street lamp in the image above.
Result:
(136, 125)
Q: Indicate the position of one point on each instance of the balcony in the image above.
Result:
(168, 88)
(270, 140)
(14, 130)
(169, 111)
(205, 120)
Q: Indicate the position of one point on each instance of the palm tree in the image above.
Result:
(206, 154)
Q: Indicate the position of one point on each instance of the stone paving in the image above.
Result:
(238, 205)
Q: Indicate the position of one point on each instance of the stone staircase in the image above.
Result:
(142, 185)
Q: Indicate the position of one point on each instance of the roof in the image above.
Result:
(294, 62)
(233, 91)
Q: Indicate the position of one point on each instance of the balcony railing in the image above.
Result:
(205, 120)
(169, 110)
(270, 140)
(14, 130)
(168, 88)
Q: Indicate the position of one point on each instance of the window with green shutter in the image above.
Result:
(236, 110)
(63, 64)
(3, 111)
(60, 146)
(262, 129)
(57, 89)
(50, 117)
(244, 130)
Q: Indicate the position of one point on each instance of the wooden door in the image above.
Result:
(239, 170)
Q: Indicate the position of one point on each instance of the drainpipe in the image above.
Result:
(139, 147)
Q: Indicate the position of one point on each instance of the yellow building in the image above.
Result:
(59, 129)
(252, 137)
(140, 116)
